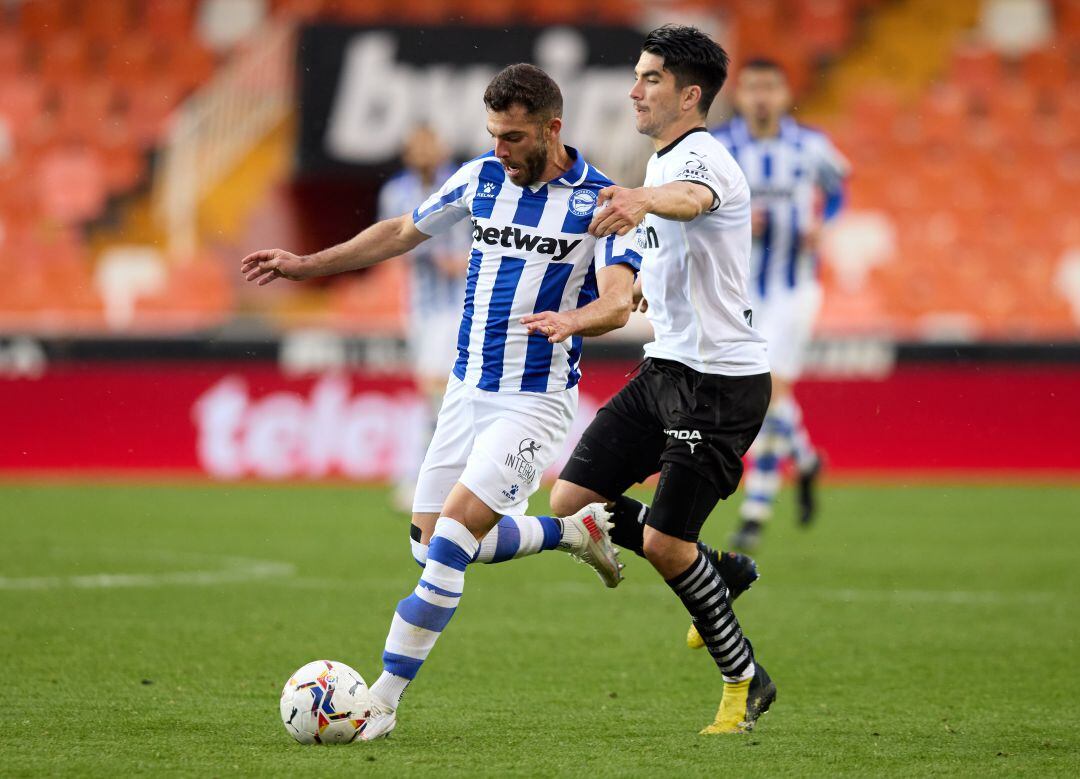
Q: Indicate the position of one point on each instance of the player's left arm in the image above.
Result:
(610, 311)
(620, 210)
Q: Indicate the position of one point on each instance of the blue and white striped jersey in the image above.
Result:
(784, 173)
(531, 252)
(431, 290)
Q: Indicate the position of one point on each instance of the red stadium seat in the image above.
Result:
(44, 18)
(824, 25)
(107, 22)
(189, 63)
(65, 58)
(1047, 69)
(976, 68)
(133, 59)
(169, 19)
(83, 106)
(72, 184)
(12, 54)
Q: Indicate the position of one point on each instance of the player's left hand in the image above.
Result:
(618, 210)
(556, 325)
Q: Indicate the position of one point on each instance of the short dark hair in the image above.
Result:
(525, 85)
(692, 57)
(763, 63)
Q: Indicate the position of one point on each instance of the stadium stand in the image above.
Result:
(962, 121)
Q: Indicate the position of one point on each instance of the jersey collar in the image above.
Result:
(678, 140)
(577, 171)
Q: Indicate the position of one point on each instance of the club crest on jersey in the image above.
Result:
(582, 202)
(645, 237)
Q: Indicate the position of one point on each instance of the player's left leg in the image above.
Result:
(701, 465)
(683, 500)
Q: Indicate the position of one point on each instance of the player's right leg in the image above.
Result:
(420, 618)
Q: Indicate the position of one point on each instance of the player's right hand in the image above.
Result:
(266, 265)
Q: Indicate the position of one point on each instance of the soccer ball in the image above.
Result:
(325, 702)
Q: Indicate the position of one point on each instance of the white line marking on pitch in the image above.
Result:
(233, 570)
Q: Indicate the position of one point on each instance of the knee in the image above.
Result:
(567, 498)
(656, 548)
(670, 556)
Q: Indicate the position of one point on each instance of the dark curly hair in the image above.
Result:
(525, 85)
(692, 57)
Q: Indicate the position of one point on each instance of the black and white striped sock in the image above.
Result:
(705, 596)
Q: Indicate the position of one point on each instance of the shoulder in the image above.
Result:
(594, 179)
(705, 147)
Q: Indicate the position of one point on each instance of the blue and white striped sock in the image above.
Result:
(512, 537)
(519, 537)
(421, 617)
(802, 450)
(763, 476)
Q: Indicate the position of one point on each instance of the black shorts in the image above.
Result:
(673, 419)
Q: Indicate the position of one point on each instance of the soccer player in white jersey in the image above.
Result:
(699, 401)
(537, 282)
(796, 181)
(436, 285)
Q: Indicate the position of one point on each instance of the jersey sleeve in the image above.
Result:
(385, 207)
(830, 166)
(446, 207)
(696, 167)
(617, 250)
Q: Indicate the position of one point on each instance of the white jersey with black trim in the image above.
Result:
(531, 252)
(694, 274)
(785, 172)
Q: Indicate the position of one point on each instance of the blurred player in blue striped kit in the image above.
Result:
(796, 180)
(537, 282)
(436, 285)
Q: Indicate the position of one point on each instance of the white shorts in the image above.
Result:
(786, 320)
(497, 444)
(433, 343)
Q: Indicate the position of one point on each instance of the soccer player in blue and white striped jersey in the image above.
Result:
(796, 181)
(537, 282)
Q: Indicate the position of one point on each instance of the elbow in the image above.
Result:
(622, 313)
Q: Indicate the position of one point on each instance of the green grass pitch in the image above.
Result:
(916, 631)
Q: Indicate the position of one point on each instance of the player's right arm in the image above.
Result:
(381, 241)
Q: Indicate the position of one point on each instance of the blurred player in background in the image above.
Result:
(436, 288)
(791, 169)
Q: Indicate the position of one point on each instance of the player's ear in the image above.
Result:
(691, 97)
(552, 128)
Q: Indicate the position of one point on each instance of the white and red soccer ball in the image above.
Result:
(325, 702)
